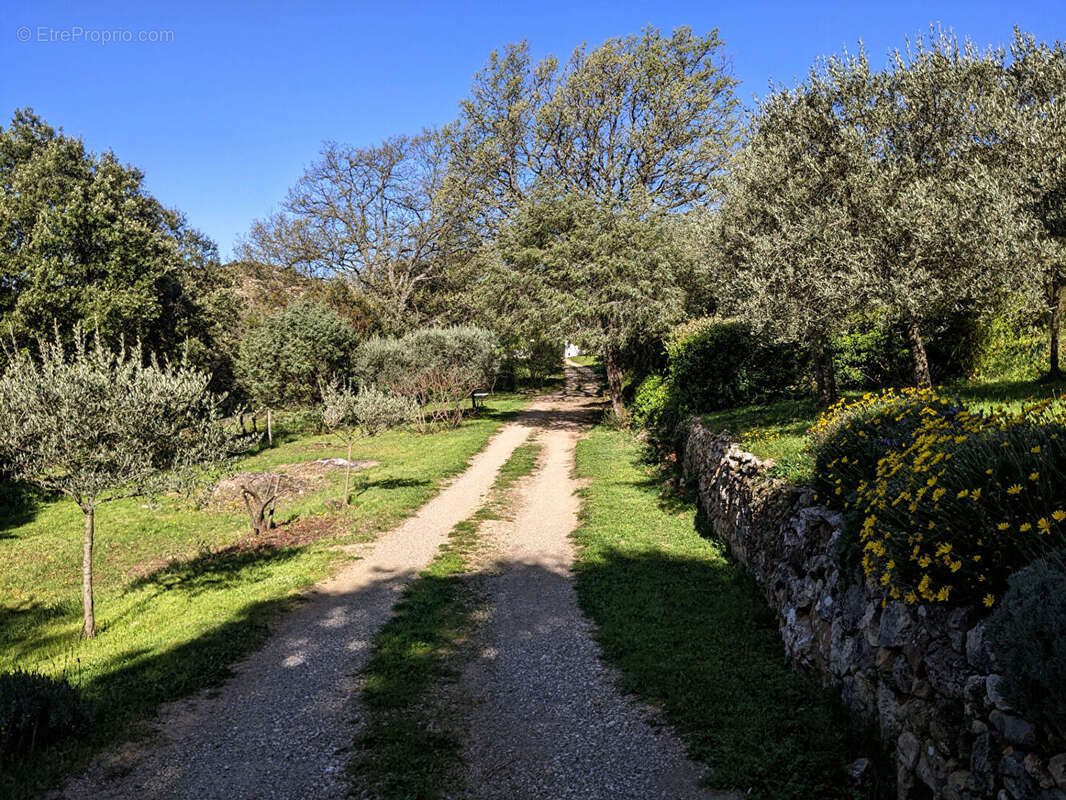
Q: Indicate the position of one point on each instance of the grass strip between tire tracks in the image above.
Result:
(410, 745)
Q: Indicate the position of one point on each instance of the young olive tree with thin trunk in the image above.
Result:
(361, 414)
(98, 426)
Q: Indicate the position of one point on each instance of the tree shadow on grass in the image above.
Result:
(130, 686)
(125, 690)
(213, 570)
(391, 483)
(19, 505)
(488, 412)
(667, 496)
(23, 626)
(696, 638)
(1006, 391)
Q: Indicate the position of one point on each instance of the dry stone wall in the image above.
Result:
(923, 676)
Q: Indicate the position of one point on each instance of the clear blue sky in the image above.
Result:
(224, 116)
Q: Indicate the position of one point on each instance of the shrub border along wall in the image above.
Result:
(923, 676)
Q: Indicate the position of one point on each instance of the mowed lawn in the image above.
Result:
(176, 605)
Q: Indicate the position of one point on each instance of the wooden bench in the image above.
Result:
(477, 398)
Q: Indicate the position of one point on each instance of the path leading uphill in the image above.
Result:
(546, 718)
(277, 729)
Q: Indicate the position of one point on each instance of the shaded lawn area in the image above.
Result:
(778, 430)
(692, 634)
(176, 603)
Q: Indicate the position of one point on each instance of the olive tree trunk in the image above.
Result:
(825, 377)
(614, 381)
(922, 378)
(1055, 304)
(89, 627)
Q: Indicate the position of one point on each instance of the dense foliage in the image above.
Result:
(1028, 636)
(285, 356)
(83, 242)
(35, 711)
(436, 368)
(717, 363)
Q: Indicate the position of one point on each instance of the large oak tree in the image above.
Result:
(579, 163)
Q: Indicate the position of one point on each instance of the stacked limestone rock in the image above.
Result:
(923, 676)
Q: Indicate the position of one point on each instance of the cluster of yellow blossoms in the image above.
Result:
(958, 500)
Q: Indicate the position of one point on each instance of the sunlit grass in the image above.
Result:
(778, 431)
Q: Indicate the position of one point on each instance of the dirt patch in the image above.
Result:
(291, 534)
(228, 494)
(315, 470)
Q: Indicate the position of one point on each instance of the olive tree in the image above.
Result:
(783, 245)
(938, 214)
(98, 425)
(608, 278)
(1037, 124)
(357, 414)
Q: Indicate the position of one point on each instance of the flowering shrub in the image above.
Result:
(945, 503)
(850, 438)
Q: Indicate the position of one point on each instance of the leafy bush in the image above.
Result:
(384, 363)
(716, 363)
(650, 403)
(874, 351)
(1028, 635)
(871, 353)
(368, 412)
(1013, 346)
(955, 504)
(850, 438)
(438, 368)
(287, 355)
(36, 710)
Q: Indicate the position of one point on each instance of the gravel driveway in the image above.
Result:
(277, 728)
(548, 721)
(546, 718)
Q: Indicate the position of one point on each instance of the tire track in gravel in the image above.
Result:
(547, 719)
(279, 727)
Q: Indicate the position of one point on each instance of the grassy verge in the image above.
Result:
(778, 430)
(692, 634)
(409, 746)
(586, 360)
(177, 604)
